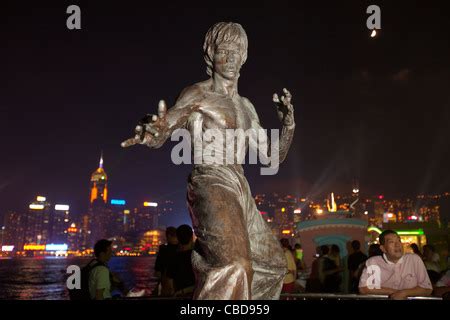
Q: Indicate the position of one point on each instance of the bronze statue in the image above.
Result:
(236, 255)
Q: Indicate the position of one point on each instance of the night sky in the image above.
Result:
(377, 110)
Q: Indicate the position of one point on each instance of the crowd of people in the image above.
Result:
(386, 270)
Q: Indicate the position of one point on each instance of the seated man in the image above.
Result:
(394, 273)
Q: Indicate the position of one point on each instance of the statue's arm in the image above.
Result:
(154, 130)
(287, 131)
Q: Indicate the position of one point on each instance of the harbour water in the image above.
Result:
(43, 278)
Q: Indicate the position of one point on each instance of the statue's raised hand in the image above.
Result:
(285, 109)
(150, 129)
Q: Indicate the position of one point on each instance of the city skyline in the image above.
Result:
(361, 113)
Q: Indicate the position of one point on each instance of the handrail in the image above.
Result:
(323, 296)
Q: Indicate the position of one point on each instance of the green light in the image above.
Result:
(374, 229)
(418, 232)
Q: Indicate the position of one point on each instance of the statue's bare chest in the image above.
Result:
(222, 112)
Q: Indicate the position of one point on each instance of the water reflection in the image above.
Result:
(44, 278)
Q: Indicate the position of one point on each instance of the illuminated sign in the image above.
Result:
(41, 198)
(118, 202)
(297, 211)
(126, 211)
(150, 204)
(72, 230)
(286, 231)
(56, 247)
(34, 247)
(36, 206)
(62, 207)
(7, 248)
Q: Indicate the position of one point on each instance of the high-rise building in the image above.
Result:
(37, 223)
(14, 230)
(146, 217)
(119, 220)
(73, 237)
(98, 212)
(59, 224)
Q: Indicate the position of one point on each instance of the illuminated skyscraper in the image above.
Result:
(14, 229)
(98, 213)
(37, 222)
(60, 223)
(99, 184)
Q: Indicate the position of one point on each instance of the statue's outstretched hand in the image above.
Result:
(150, 129)
(285, 109)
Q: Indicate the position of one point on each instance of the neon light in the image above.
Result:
(72, 230)
(262, 212)
(286, 231)
(150, 204)
(62, 207)
(34, 247)
(118, 202)
(418, 232)
(36, 206)
(377, 230)
(56, 247)
(41, 198)
(7, 248)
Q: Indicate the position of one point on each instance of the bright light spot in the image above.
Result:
(56, 247)
(381, 197)
(41, 198)
(319, 211)
(366, 212)
(36, 206)
(297, 211)
(374, 33)
(390, 215)
(355, 190)
(7, 248)
(150, 204)
(283, 209)
(62, 207)
(286, 232)
(414, 217)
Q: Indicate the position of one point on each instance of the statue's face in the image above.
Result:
(227, 60)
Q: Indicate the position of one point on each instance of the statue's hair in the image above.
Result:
(224, 32)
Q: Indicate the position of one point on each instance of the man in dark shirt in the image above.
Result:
(180, 274)
(354, 262)
(165, 257)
